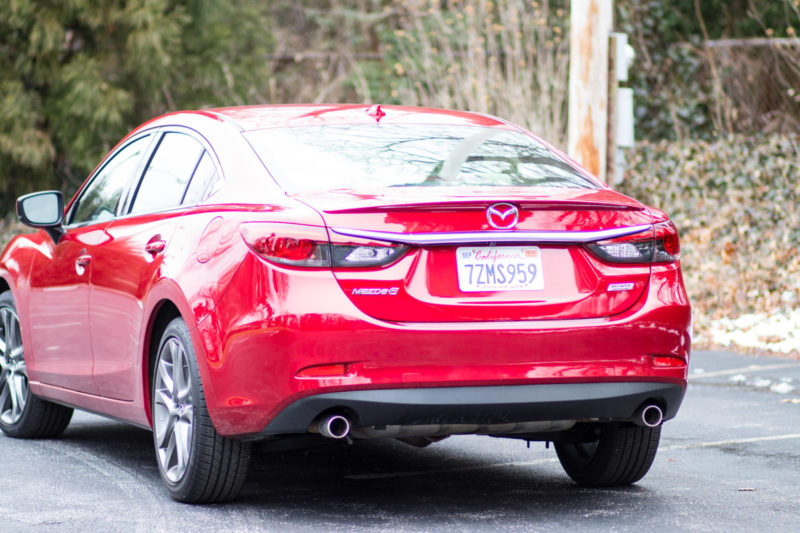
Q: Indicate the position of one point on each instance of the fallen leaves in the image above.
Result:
(736, 203)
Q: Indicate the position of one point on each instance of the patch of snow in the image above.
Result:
(782, 388)
(778, 332)
(762, 383)
(739, 378)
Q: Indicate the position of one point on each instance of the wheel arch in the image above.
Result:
(166, 302)
(163, 313)
(8, 281)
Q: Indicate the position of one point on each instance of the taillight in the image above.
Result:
(357, 255)
(288, 244)
(668, 247)
(659, 245)
(308, 246)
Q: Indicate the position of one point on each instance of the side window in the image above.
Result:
(101, 198)
(204, 181)
(168, 173)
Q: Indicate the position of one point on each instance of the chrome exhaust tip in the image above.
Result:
(649, 416)
(334, 427)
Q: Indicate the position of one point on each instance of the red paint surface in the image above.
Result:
(255, 325)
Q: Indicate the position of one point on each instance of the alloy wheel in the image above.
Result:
(173, 413)
(13, 375)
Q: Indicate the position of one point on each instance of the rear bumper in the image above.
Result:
(253, 353)
(480, 405)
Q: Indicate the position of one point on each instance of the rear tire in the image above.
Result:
(22, 414)
(621, 456)
(197, 465)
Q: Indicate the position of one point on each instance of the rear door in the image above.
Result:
(132, 260)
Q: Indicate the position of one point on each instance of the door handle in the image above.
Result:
(82, 262)
(155, 246)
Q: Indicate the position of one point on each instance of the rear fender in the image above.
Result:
(166, 292)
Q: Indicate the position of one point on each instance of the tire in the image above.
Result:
(621, 456)
(196, 464)
(22, 414)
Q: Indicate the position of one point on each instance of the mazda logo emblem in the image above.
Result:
(502, 216)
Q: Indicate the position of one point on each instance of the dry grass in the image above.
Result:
(507, 58)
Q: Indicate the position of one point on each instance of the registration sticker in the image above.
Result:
(499, 268)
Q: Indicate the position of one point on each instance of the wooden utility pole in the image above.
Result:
(591, 23)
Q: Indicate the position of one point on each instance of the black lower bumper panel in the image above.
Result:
(480, 405)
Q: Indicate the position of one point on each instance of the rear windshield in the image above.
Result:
(324, 158)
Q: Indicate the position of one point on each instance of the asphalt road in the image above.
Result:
(729, 462)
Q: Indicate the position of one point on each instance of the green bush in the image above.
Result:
(735, 202)
(9, 228)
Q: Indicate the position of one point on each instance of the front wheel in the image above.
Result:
(22, 414)
(621, 455)
(197, 465)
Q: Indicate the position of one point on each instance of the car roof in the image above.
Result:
(249, 118)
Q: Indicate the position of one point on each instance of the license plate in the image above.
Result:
(499, 268)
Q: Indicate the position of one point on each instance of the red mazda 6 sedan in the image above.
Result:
(354, 272)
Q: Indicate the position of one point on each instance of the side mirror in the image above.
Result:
(43, 210)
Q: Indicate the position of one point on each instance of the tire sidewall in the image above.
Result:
(612, 453)
(177, 329)
(18, 428)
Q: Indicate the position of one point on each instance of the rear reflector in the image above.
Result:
(323, 371)
(668, 361)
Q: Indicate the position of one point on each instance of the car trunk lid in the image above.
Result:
(461, 268)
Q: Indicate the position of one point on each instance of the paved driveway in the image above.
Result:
(730, 461)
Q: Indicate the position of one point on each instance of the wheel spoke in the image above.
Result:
(22, 392)
(5, 403)
(176, 367)
(165, 430)
(164, 398)
(169, 450)
(183, 434)
(13, 337)
(11, 328)
(173, 412)
(178, 373)
(15, 352)
(22, 370)
(165, 375)
(13, 392)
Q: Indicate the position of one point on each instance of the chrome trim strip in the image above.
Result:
(461, 237)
